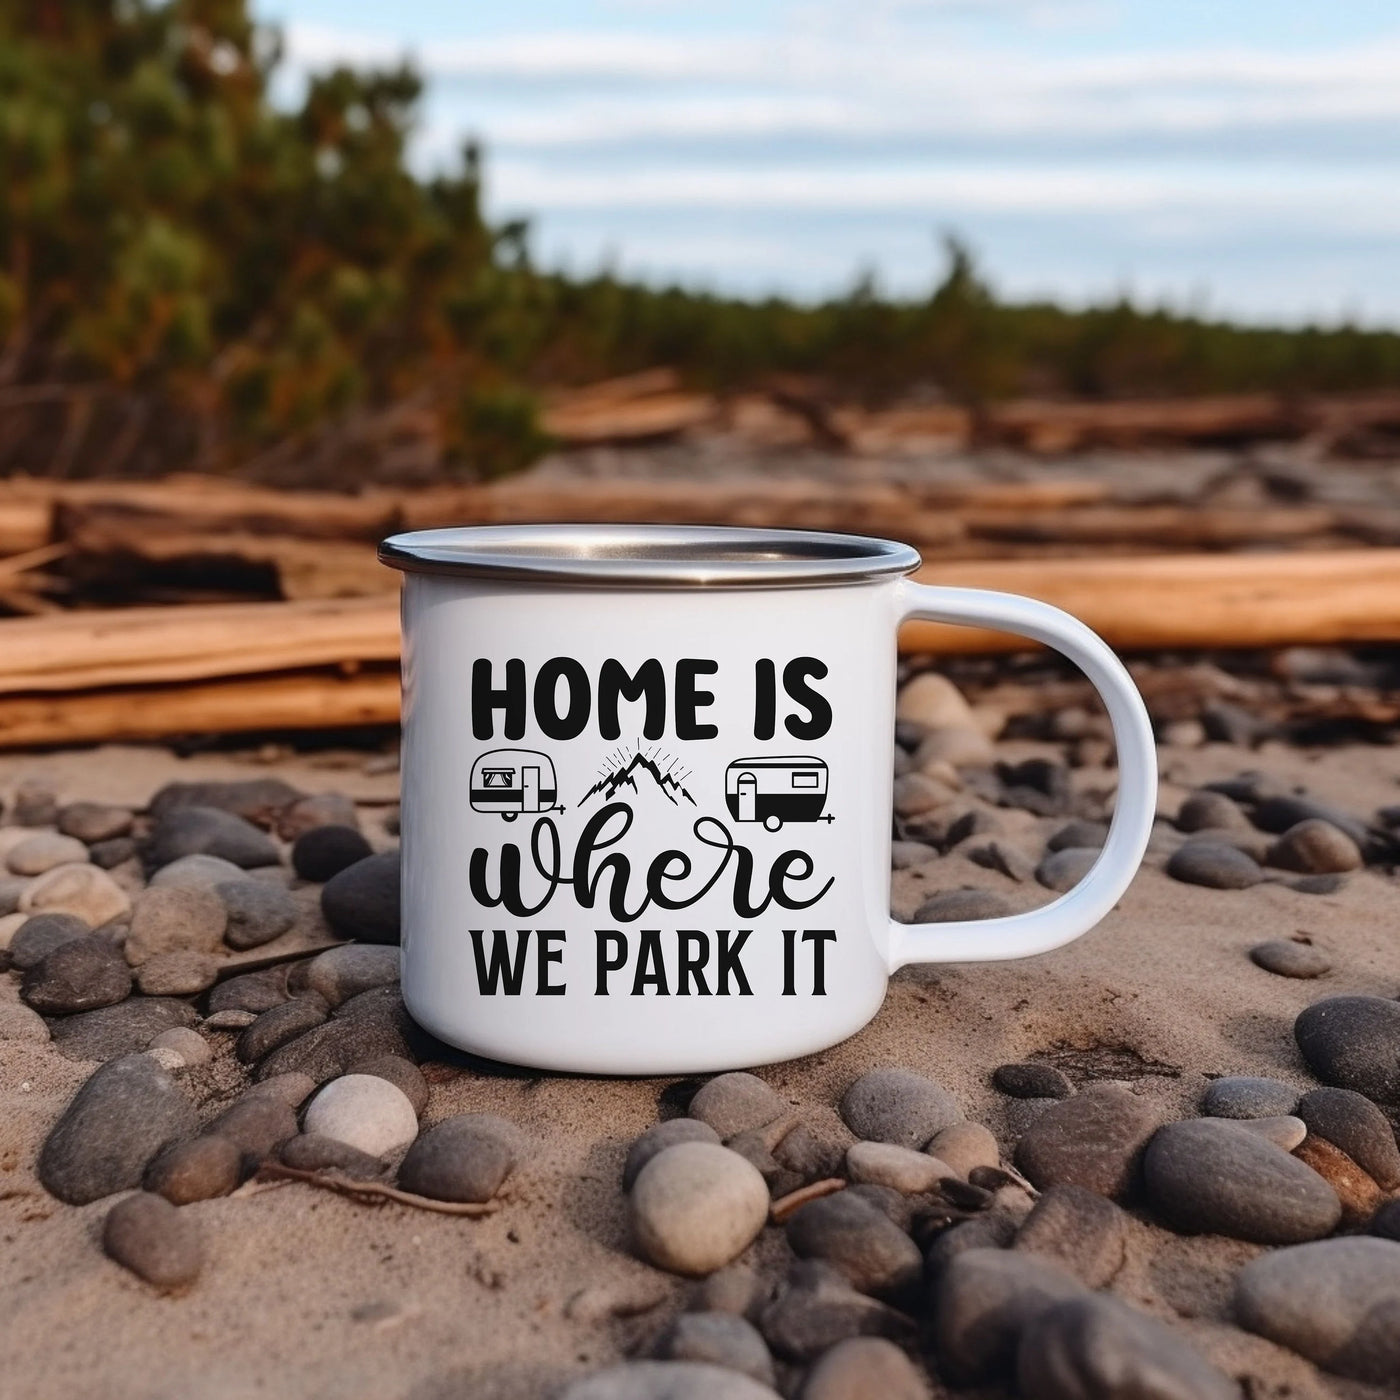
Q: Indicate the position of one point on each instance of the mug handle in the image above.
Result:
(1076, 912)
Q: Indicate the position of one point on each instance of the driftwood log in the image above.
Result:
(153, 672)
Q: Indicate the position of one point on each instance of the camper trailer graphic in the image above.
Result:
(511, 781)
(787, 788)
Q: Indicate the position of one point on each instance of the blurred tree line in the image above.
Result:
(192, 277)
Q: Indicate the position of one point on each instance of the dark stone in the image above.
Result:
(310, 1152)
(1029, 1080)
(464, 1158)
(1080, 1230)
(1095, 1140)
(1386, 1221)
(1317, 884)
(874, 1254)
(321, 809)
(721, 1339)
(1336, 1302)
(1213, 1176)
(403, 1074)
(189, 831)
(1350, 1121)
(1225, 723)
(92, 822)
(362, 902)
(1079, 835)
(1286, 958)
(258, 800)
(658, 1138)
(281, 1024)
(258, 912)
(325, 851)
(80, 974)
(374, 1023)
(1315, 847)
(252, 991)
(339, 974)
(1214, 865)
(196, 1170)
(107, 855)
(1038, 785)
(156, 1241)
(39, 935)
(1277, 813)
(127, 1112)
(993, 1229)
(975, 822)
(735, 1103)
(122, 1029)
(984, 1301)
(1353, 1042)
(1005, 859)
(803, 1153)
(258, 1125)
(817, 1308)
(899, 1106)
(1063, 870)
(1248, 1096)
(956, 906)
(1211, 811)
(1096, 1348)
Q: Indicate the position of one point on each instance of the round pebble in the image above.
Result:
(189, 831)
(658, 1138)
(1353, 1042)
(78, 975)
(815, 1308)
(256, 912)
(1211, 1176)
(1248, 1096)
(1080, 1230)
(42, 851)
(917, 793)
(1098, 1347)
(36, 804)
(252, 991)
(362, 902)
(1353, 1123)
(109, 854)
(180, 972)
(1063, 870)
(155, 1240)
(864, 1368)
(164, 919)
(932, 701)
(855, 1236)
(126, 1112)
(1287, 958)
(1211, 811)
(1283, 1130)
(962, 1147)
(290, 1089)
(91, 822)
(899, 1106)
(257, 800)
(19, 1022)
(365, 1111)
(196, 1170)
(695, 1207)
(40, 934)
(198, 872)
(1336, 1302)
(668, 1380)
(258, 1124)
(280, 1025)
(900, 1168)
(1214, 865)
(1095, 1140)
(189, 1045)
(325, 851)
(958, 906)
(466, 1158)
(735, 1103)
(403, 1074)
(1315, 847)
(341, 973)
(1079, 835)
(1386, 1221)
(82, 890)
(122, 1029)
(720, 1339)
(1030, 1080)
(309, 1152)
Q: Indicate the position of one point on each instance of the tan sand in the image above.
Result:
(307, 1295)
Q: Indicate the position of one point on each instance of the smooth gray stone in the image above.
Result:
(258, 800)
(363, 901)
(196, 1170)
(325, 851)
(816, 1308)
(80, 974)
(955, 906)
(197, 872)
(983, 1302)
(1278, 813)
(92, 822)
(667, 1380)
(208, 831)
(1211, 811)
(310, 1152)
(280, 1025)
(1353, 1042)
(258, 912)
(1350, 1121)
(122, 1029)
(1286, 958)
(735, 1103)
(1080, 1230)
(1248, 1096)
(464, 1158)
(899, 1106)
(1336, 1302)
(1214, 865)
(1095, 1140)
(991, 1229)
(658, 1138)
(718, 1339)
(371, 1024)
(403, 1074)
(1031, 1080)
(38, 936)
(258, 1124)
(975, 822)
(1315, 847)
(860, 1240)
(1079, 835)
(251, 991)
(1096, 1348)
(1062, 870)
(1212, 1176)
(156, 1241)
(107, 855)
(1004, 858)
(341, 973)
(864, 1368)
(127, 1112)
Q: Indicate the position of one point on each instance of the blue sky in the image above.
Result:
(1235, 156)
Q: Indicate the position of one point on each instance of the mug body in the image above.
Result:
(645, 830)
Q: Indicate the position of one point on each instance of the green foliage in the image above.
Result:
(191, 277)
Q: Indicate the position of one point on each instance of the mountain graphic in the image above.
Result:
(640, 764)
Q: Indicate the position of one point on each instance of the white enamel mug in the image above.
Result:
(647, 790)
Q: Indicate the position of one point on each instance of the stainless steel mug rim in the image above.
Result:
(649, 556)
